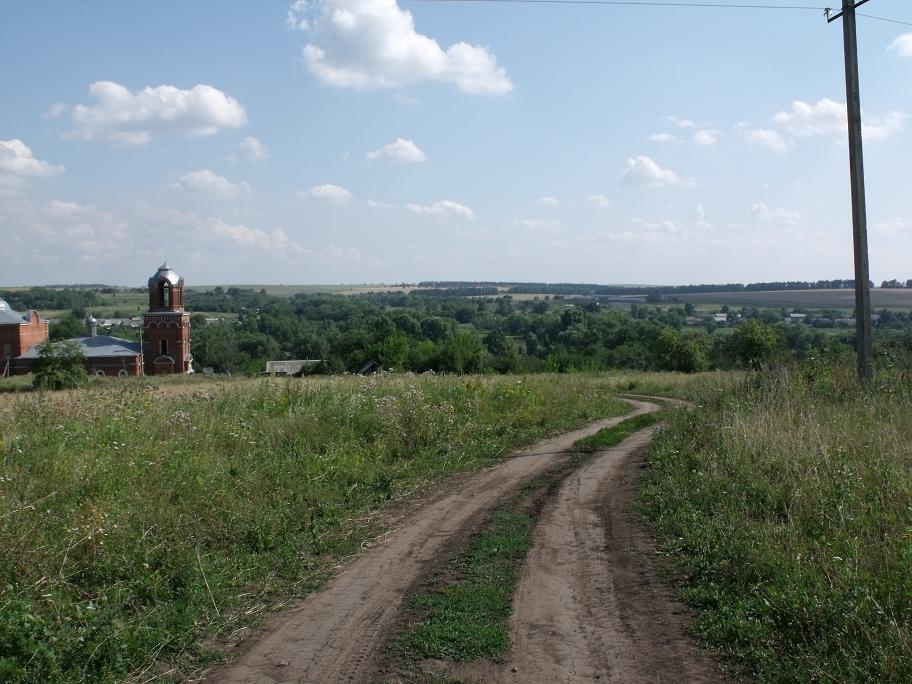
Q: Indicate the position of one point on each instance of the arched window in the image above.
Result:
(100, 373)
(122, 373)
(166, 294)
(163, 347)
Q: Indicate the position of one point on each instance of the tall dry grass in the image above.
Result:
(788, 503)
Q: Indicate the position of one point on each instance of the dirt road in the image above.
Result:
(590, 605)
(335, 635)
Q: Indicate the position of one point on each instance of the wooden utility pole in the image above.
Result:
(864, 336)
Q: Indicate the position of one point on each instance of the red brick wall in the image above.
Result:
(15, 340)
(174, 328)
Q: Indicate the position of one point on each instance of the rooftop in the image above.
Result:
(10, 317)
(101, 345)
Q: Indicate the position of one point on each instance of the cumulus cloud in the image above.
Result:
(133, 118)
(549, 202)
(374, 204)
(828, 118)
(536, 224)
(16, 159)
(400, 150)
(707, 136)
(902, 45)
(373, 44)
(680, 122)
(208, 183)
(254, 149)
(328, 192)
(443, 208)
(600, 201)
(765, 137)
(776, 215)
(645, 172)
(662, 137)
(55, 111)
(256, 238)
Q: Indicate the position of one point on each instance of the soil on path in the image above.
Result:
(336, 635)
(591, 604)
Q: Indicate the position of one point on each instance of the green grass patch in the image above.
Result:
(612, 436)
(786, 502)
(139, 520)
(467, 617)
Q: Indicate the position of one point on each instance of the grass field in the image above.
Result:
(139, 521)
(806, 299)
(787, 504)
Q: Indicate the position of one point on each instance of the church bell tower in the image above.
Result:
(166, 326)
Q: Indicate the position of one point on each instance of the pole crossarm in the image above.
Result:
(833, 17)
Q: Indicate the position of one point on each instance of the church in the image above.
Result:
(164, 349)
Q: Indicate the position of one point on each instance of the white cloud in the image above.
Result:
(254, 149)
(16, 159)
(662, 137)
(399, 150)
(680, 122)
(536, 224)
(707, 136)
(55, 111)
(644, 171)
(895, 227)
(443, 208)
(828, 118)
(765, 138)
(374, 204)
(600, 201)
(902, 45)
(373, 44)
(208, 183)
(549, 202)
(700, 212)
(256, 238)
(328, 192)
(133, 118)
(776, 215)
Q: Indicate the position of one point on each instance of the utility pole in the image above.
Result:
(863, 333)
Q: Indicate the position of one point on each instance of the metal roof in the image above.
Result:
(165, 272)
(10, 317)
(93, 347)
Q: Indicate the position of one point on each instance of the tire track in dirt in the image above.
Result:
(335, 635)
(590, 605)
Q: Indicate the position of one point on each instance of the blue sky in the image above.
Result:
(357, 141)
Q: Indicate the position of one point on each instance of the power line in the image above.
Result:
(892, 21)
(641, 3)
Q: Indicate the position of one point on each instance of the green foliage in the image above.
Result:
(685, 352)
(120, 503)
(66, 327)
(60, 365)
(786, 503)
(754, 343)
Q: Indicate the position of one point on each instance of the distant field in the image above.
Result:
(292, 290)
(810, 299)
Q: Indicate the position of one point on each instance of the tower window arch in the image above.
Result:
(166, 294)
(163, 347)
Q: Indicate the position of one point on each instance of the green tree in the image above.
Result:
(66, 327)
(60, 365)
(753, 343)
